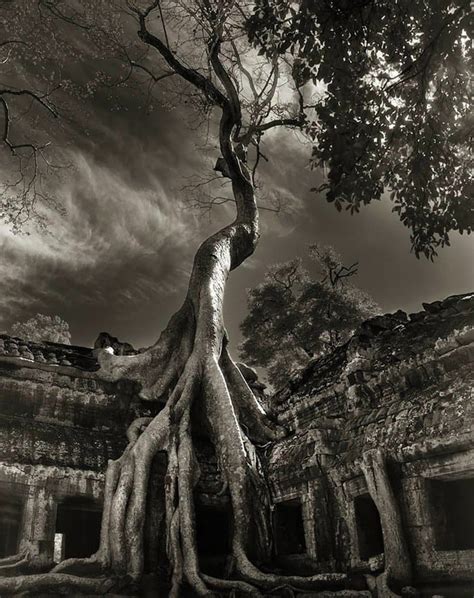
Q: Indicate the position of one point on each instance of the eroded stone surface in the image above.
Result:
(401, 386)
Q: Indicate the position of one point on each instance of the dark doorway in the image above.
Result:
(289, 528)
(79, 519)
(213, 536)
(453, 514)
(369, 528)
(213, 530)
(10, 520)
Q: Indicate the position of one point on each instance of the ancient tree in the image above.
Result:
(189, 367)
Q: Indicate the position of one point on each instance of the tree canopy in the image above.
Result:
(396, 111)
(294, 316)
(380, 88)
(43, 328)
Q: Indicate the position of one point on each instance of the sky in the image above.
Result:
(119, 258)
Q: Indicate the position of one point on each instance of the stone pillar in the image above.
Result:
(309, 506)
(39, 516)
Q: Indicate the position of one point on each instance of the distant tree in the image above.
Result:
(43, 328)
(294, 316)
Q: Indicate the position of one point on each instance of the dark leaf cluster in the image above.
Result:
(396, 116)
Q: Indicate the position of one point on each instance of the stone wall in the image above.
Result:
(403, 386)
(39, 489)
(60, 423)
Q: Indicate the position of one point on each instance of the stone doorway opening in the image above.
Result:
(78, 522)
(369, 528)
(213, 536)
(289, 528)
(11, 511)
(453, 514)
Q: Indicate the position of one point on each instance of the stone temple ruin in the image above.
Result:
(399, 394)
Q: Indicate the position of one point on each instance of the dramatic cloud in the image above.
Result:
(115, 246)
(120, 256)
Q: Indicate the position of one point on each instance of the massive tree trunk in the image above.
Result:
(191, 367)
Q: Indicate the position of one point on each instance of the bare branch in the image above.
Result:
(222, 74)
(206, 203)
(279, 122)
(145, 69)
(245, 71)
(36, 97)
(165, 32)
(274, 73)
(188, 74)
(71, 19)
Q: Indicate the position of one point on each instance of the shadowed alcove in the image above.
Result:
(78, 520)
(369, 529)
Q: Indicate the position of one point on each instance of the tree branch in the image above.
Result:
(245, 71)
(37, 98)
(155, 78)
(188, 74)
(222, 74)
(279, 122)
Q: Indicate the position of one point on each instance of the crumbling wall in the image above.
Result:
(39, 489)
(401, 387)
(60, 423)
(380, 446)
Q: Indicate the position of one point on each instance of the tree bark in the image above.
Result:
(397, 560)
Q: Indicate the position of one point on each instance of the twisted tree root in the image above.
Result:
(15, 563)
(121, 552)
(59, 582)
(398, 567)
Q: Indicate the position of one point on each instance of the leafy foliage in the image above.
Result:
(396, 113)
(381, 88)
(294, 316)
(43, 328)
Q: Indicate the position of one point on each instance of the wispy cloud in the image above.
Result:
(113, 243)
